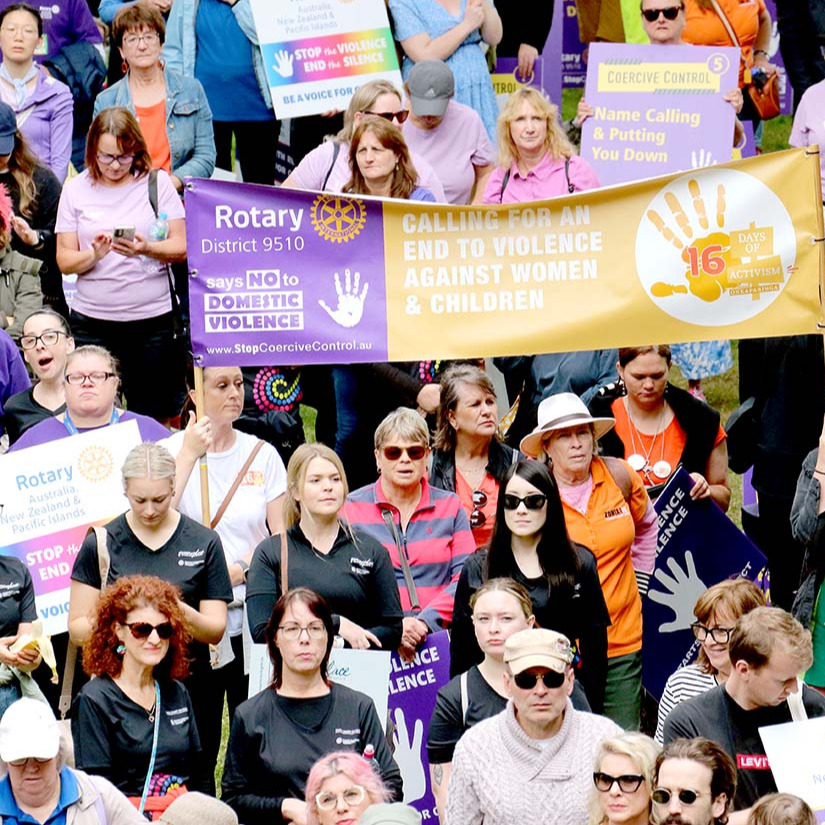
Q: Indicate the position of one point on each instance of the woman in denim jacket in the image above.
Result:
(172, 110)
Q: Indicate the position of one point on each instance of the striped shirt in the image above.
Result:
(685, 683)
(437, 540)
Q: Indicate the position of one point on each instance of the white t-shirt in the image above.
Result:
(243, 525)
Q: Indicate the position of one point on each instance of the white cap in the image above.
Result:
(28, 729)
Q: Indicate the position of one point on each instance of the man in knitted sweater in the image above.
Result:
(532, 764)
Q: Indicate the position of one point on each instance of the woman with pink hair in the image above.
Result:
(340, 787)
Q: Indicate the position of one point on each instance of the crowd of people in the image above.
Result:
(416, 510)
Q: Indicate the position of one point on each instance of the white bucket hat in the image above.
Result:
(558, 412)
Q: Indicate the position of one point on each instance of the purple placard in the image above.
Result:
(413, 690)
(659, 109)
(691, 535)
(574, 53)
(551, 54)
(506, 79)
(267, 261)
(785, 89)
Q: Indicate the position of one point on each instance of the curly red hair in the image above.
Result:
(127, 594)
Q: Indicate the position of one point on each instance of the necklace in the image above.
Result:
(641, 463)
(151, 712)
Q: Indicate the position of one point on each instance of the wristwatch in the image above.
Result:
(244, 567)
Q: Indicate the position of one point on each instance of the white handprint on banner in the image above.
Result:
(701, 159)
(684, 586)
(350, 304)
(283, 64)
(408, 757)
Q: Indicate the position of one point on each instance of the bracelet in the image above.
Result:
(760, 51)
(819, 472)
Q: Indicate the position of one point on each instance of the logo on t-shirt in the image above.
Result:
(253, 478)
(360, 566)
(616, 512)
(752, 762)
(191, 558)
(349, 736)
(178, 716)
(11, 589)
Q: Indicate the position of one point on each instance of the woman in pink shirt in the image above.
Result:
(535, 158)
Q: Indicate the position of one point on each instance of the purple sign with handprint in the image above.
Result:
(413, 690)
(268, 263)
(691, 536)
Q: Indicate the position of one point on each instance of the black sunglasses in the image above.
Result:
(527, 680)
(416, 452)
(628, 782)
(535, 501)
(400, 115)
(670, 13)
(661, 796)
(477, 518)
(143, 630)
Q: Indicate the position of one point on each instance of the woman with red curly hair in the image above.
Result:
(138, 652)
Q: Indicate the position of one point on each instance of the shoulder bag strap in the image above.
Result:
(570, 188)
(336, 148)
(284, 564)
(465, 697)
(726, 23)
(153, 190)
(415, 604)
(796, 705)
(173, 296)
(620, 475)
(235, 484)
(504, 181)
(151, 770)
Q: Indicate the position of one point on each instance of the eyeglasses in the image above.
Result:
(670, 13)
(18, 763)
(143, 630)
(291, 632)
(78, 378)
(628, 782)
(550, 679)
(327, 800)
(477, 518)
(720, 635)
(27, 31)
(48, 338)
(150, 39)
(535, 501)
(661, 796)
(400, 116)
(416, 452)
(107, 159)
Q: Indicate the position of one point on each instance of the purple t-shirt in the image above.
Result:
(13, 375)
(311, 172)
(454, 148)
(118, 288)
(53, 429)
(809, 125)
(64, 22)
(547, 180)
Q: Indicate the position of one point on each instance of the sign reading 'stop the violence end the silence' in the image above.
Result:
(289, 277)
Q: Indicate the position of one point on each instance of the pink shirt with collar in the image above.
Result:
(547, 180)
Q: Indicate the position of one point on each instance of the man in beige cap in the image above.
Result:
(532, 763)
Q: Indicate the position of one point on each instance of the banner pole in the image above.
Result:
(206, 515)
(812, 152)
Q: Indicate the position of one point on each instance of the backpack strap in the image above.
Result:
(621, 476)
(336, 148)
(465, 697)
(153, 190)
(570, 188)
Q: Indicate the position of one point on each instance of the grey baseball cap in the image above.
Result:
(431, 85)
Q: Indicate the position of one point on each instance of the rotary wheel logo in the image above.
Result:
(338, 219)
(95, 463)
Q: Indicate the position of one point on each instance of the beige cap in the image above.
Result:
(537, 647)
(195, 808)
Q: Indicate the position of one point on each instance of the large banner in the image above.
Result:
(290, 277)
(691, 535)
(658, 109)
(49, 497)
(316, 55)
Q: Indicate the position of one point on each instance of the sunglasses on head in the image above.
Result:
(143, 630)
(628, 782)
(670, 13)
(400, 116)
(661, 796)
(535, 501)
(416, 452)
(526, 680)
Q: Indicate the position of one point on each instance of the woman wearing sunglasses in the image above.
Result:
(279, 734)
(138, 651)
(469, 457)
(340, 787)
(425, 530)
(623, 780)
(717, 610)
(530, 545)
(346, 566)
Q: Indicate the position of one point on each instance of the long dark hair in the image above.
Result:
(556, 553)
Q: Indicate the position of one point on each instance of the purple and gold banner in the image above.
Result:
(290, 277)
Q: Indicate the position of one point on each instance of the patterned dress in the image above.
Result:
(702, 359)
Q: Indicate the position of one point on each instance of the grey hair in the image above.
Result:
(407, 424)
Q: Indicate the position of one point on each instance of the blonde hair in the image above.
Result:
(93, 349)
(296, 472)
(642, 752)
(555, 141)
(362, 100)
(148, 460)
(407, 424)
(781, 809)
(504, 585)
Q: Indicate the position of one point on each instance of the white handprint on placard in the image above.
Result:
(350, 304)
(701, 159)
(408, 757)
(283, 64)
(685, 587)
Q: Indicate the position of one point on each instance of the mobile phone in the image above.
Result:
(127, 232)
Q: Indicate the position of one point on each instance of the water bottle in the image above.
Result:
(369, 752)
(159, 230)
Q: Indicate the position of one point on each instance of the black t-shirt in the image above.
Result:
(192, 560)
(580, 615)
(716, 716)
(113, 736)
(21, 412)
(16, 595)
(356, 578)
(275, 741)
